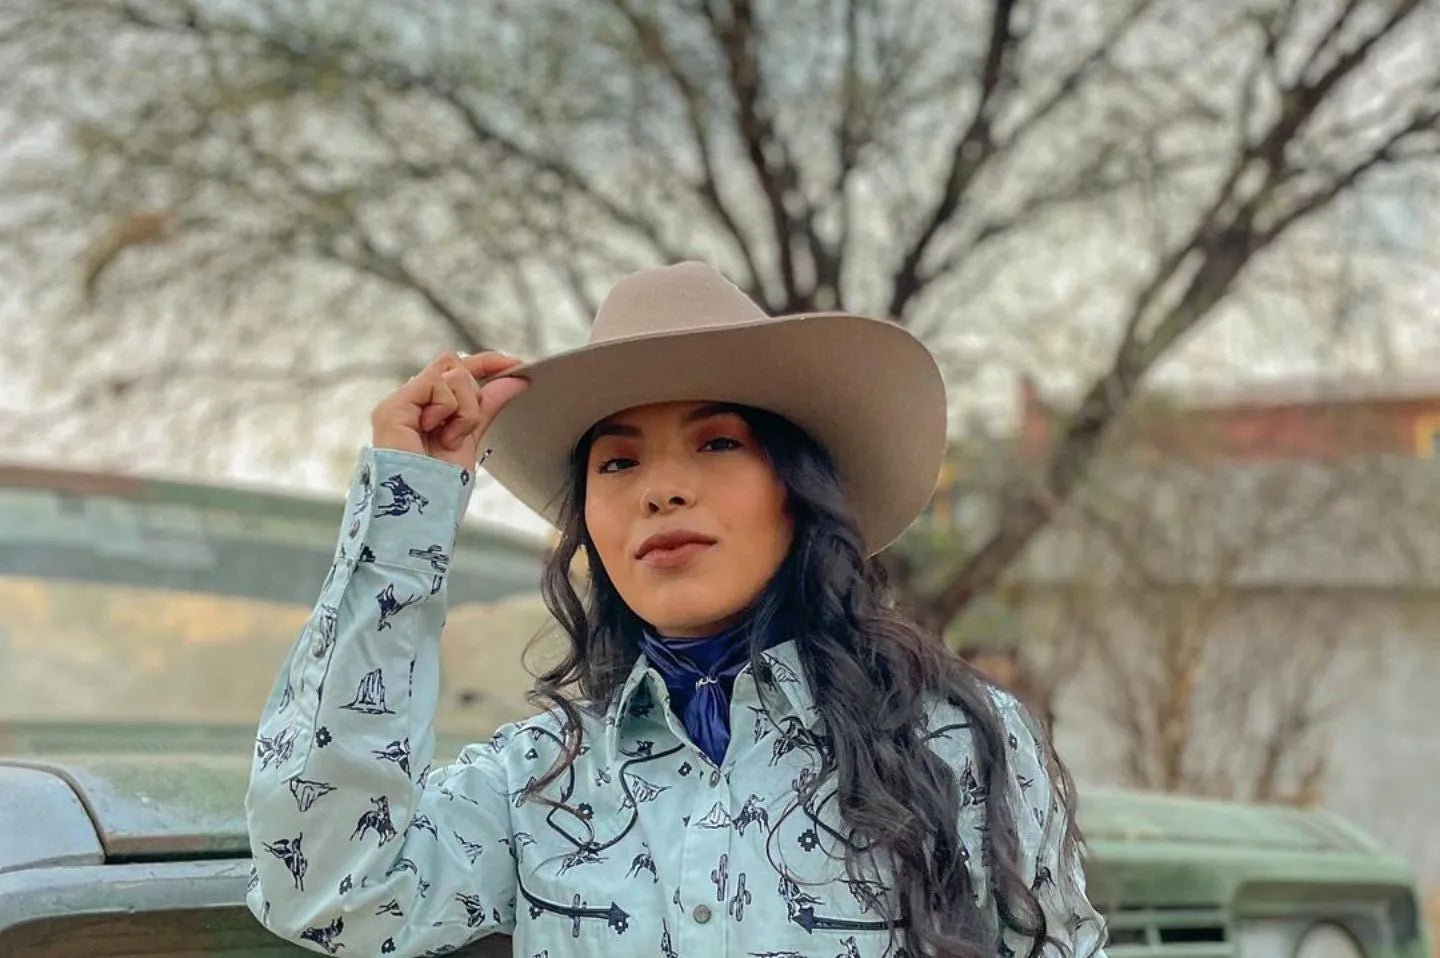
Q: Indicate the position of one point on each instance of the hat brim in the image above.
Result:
(865, 388)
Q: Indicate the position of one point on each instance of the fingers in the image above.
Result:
(449, 403)
(443, 363)
(488, 364)
(438, 404)
(466, 419)
(443, 410)
(419, 387)
(430, 390)
(478, 407)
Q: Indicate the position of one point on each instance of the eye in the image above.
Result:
(721, 444)
(614, 465)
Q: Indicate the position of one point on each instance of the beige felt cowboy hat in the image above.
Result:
(866, 389)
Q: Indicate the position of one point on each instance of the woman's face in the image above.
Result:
(686, 513)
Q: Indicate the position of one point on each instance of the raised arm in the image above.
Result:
(354, 844)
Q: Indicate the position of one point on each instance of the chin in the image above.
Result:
(677, 616)
(684, 626)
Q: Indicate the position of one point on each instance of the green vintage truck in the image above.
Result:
(140, 626)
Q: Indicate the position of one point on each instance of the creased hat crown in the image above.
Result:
(678, 298)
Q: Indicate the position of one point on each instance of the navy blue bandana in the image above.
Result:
(700, 674)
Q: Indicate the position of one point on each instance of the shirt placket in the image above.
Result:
(699, 905)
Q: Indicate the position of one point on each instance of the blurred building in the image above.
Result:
(1314, 420)
(1243, 601)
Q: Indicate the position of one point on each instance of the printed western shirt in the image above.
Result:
(643, 846)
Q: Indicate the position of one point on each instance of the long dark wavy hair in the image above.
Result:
(873, 672)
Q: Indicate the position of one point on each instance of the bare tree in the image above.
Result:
(1205, 609)
(482, 170)
(1178, 584)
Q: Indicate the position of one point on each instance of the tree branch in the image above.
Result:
(1085, 184)
(830, 262)
(1303, 97)
(652, 43)
(1080, 72)
(400, 78)
(975, 147)
(1222, 243)
(770, 158)
(979, 146)
(297, 379)
(1322, 45)
(1423, 121)
(369, 258)
(392, 269)
(572, 178)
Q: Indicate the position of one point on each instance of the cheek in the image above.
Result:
(606, 531)
(758, 518)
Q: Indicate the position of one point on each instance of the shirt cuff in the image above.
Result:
(403, 509)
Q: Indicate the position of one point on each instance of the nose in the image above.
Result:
(659, 501)
(670, 488)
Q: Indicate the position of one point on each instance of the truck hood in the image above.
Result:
(1121, 815)
(152, 790)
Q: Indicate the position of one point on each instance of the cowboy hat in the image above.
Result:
(866, 389)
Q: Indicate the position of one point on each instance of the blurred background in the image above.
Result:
(1178, 261)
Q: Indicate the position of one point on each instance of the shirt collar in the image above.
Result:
(788, 676)
(785, 691)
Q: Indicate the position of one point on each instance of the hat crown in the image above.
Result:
(670, 299)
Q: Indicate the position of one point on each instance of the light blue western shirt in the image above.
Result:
(362, 848)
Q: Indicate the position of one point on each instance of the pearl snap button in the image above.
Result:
(701, 913)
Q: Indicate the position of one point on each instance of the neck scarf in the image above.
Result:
(700, 674)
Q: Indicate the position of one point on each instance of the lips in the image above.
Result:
(668, 541)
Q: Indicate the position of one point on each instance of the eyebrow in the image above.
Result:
(707, 411)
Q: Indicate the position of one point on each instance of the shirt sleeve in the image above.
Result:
(1057, 876)
(357, 844)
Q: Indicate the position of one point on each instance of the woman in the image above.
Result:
(747, 749)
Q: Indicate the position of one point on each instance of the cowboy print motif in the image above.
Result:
(397, 752)
(376, 820)
(643, 862)
(326, 937)
(474, 909)
(308, 793)
(288, 851)
(720, 877)
(741, 899)
(277, 748)
(391, 606)
(402, 498)
(435, 555)
(643, 845)
(325, 630)
(370, 695)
